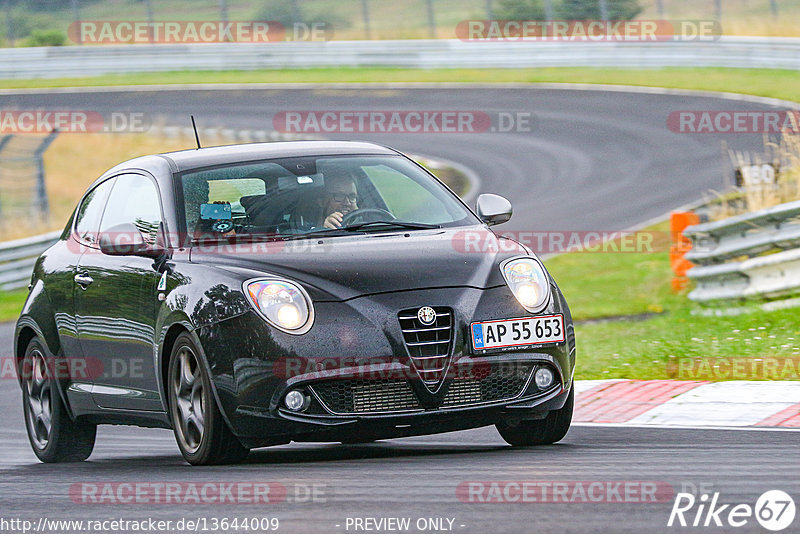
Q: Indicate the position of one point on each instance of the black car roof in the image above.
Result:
(220, 155)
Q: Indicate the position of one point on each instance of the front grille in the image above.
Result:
(366, 396)
(428, 347)
(504, 382)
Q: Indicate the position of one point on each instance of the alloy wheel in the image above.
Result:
(40, 400)
(187, 385)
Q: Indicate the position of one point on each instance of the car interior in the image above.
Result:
(275, 199)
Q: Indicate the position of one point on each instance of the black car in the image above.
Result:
(253, 295)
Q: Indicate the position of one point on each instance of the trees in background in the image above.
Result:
(566, 9)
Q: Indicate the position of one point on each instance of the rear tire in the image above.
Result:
(203, 436)
(53, 435)
(542, 431)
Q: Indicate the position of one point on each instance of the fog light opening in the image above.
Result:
(544, 378)
(296, 401)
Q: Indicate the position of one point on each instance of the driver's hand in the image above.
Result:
(334, 220)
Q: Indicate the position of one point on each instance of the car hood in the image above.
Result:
(341, 268)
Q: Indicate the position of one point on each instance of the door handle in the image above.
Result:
(83, 280)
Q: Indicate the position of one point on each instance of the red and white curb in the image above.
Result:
(688, 403)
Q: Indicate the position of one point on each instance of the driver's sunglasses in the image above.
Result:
(341, 197)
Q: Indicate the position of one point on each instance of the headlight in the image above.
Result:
(284, 305)
(527, 280)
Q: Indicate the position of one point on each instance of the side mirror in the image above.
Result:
(494, 209)
(126, 240)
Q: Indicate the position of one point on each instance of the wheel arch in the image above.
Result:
(26, 331)
(37, 316)
(24, 337)
(167, 345)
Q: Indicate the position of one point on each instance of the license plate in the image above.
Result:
(518, 332)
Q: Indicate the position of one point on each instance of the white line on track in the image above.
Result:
(689, 427)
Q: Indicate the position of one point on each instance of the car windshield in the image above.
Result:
(293, 197)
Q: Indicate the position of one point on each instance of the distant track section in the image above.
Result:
(94, 60)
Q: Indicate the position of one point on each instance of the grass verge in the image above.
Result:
(784, 84)
(664, 337)
(11, 303)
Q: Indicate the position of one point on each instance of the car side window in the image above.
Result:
(134, 200)
(87, 219)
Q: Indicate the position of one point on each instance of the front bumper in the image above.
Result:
(386, 426)
(254, 366)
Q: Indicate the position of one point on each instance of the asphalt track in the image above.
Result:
(596, 160)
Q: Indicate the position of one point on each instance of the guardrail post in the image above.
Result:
(604, 10)
(223, 11)
(9, 23)
(148, 4)
(3, 142)
(295, 11)
(431, 19)
(365, 16)
(76, 14)
(773, 6)
(41, 189)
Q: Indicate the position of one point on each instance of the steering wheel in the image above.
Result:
(368, 214)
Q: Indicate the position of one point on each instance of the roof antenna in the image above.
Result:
(196, 137)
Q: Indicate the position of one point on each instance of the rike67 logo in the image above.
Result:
(774, 510)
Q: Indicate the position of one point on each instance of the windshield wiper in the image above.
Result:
(327, 232)
(396, 224)
(244, 238)
(258, 238)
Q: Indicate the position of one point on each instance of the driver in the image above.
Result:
(340, 198)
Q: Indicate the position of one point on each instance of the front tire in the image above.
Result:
(203, 436)
(53, 435)
(545, 431)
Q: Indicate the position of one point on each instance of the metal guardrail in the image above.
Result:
(732, 255)
(92, 60)
(18, 257)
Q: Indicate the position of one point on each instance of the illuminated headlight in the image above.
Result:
(527, 280)
(283, 304)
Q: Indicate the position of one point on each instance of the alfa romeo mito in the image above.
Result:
(253, 295)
